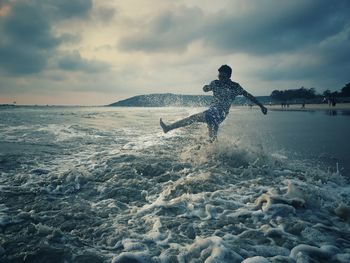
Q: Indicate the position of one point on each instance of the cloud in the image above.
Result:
(67, 8)
(283, 26)
(325, 63)
(27, 39)
(315, 35)
(16, 60)
(270, 27)
(171, 30)
(74, 62)
(104, 14)
(171, 46)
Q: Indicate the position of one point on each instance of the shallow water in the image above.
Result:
(105, 184)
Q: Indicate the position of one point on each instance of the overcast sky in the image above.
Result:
(93, 52)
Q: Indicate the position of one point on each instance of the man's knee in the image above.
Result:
(199, 117)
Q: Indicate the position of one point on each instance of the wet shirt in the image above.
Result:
(224, 93)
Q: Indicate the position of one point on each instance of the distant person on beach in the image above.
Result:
(334, 102)
(224, 92)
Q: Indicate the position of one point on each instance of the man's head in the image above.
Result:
(225, 72)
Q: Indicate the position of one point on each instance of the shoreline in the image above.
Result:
(308, 107)
(277, 107)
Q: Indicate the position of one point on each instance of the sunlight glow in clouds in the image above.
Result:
(5, 10)
(97, 52)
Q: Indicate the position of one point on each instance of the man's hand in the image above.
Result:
(206, 88)
(263, 109)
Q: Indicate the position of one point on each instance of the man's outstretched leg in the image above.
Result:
(199, 117)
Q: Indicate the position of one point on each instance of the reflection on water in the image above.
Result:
(332, 112)
(345, 113)
(306, 135)
(336, 112)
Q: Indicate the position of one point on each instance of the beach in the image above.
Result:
(311, 107)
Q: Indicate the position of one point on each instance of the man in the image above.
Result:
(224, 92)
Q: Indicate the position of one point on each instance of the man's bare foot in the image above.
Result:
(164, 127)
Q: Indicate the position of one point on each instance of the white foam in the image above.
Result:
(257, 259)
(324, 252)
(125, 257)
(209, 250)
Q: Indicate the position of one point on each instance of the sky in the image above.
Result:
(95, 52)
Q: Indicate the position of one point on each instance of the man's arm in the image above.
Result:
(254, 100)
(211, 86)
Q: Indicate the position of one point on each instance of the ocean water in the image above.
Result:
(106, 185)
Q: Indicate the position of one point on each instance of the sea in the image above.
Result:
(105, 184)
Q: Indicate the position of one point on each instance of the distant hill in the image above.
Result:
(169, 99)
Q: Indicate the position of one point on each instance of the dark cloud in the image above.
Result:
(74, 62)
(283, 26)
(271, 27)
(326, 61)
(17, 60)
(318, 28)
(27, 41)
(27, 26)
(322, 76)
(68, 8)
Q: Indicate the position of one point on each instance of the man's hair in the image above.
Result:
(226, 70)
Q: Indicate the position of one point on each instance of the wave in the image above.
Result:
(136, 195)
